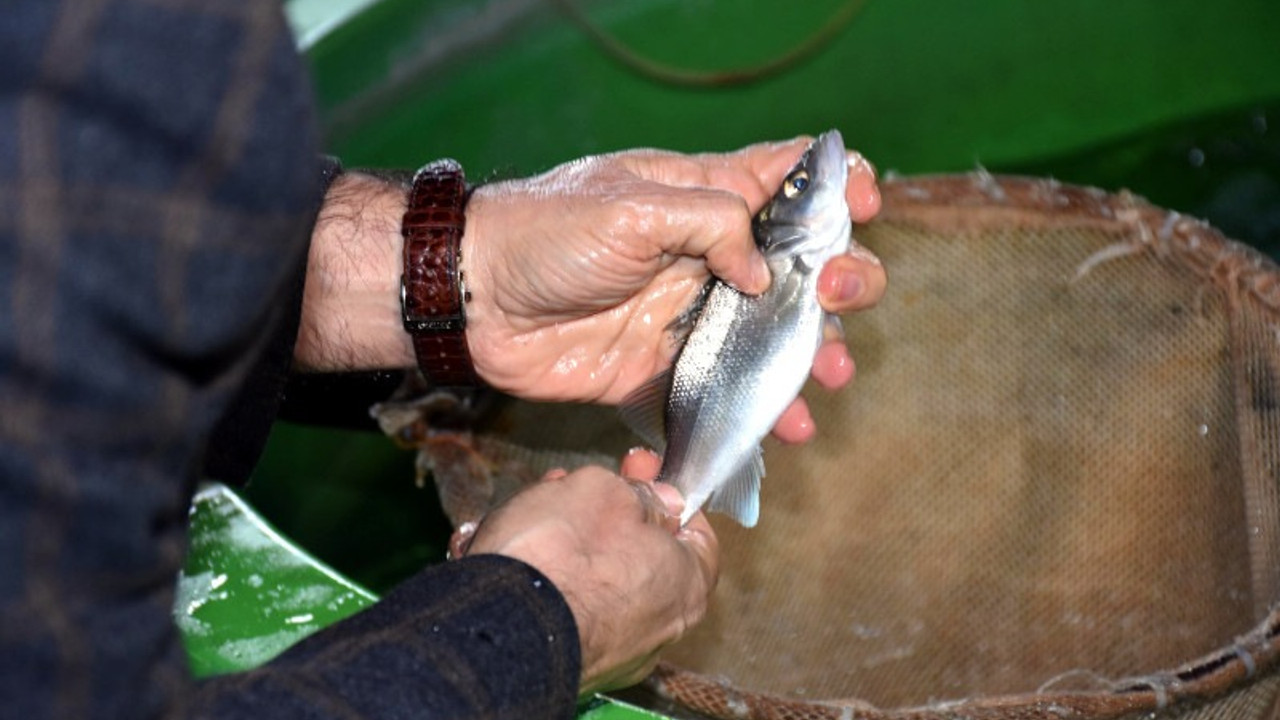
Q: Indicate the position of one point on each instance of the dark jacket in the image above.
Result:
(158, 183)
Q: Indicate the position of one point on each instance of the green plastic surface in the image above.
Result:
(246, 592)
(917, 85)
(607, 708)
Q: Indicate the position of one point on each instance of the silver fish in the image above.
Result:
(747, 357)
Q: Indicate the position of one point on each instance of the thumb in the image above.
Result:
(715, 225)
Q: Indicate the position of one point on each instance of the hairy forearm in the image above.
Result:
(351, 304)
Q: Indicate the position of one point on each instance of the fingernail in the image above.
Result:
(861, 252)
(760, 275)
(850, 286)
(858, 163)
(840, 287)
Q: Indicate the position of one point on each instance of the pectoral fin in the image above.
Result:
(644, 410)
(739, 498)
(682, 325)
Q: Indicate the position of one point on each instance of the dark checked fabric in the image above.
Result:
(158, 181)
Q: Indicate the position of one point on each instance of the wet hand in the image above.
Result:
(635, 581)
(576, 274)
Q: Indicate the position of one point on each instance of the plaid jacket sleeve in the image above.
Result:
(158, 183)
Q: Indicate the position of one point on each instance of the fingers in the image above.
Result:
(663, 503)
(460, 540)
(700, 540)
(753, 172)
(756, 171)
(555, 474)
(633, 579)
(641, 464)
(697, 535)
(656, 508)
(795, 425)
(853, 281)
(714, 225)
(723, 191)
(768, 163)
(833, 367)
(861, 192)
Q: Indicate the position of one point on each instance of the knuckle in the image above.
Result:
(631, 218)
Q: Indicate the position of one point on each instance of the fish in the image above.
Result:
(745, 357)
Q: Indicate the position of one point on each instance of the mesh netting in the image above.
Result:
(1052, 491)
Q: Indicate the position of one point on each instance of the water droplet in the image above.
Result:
(1195, 157)
(299, 619)
(1203, 430)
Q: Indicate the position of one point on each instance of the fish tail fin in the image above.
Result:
(739, 498)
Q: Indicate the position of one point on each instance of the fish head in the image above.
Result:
(808, 217)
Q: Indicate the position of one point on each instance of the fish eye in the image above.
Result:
(796, 184)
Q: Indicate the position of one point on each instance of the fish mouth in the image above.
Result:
(788, 237)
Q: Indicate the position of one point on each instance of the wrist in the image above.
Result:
(505, 288)
(478, 246)
(351, 303)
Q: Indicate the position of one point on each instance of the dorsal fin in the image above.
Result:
(645, 410)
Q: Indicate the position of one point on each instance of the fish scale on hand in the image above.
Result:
(746, 357)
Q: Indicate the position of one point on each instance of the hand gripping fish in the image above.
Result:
(747, 357)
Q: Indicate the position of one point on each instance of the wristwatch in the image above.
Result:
(433, 293)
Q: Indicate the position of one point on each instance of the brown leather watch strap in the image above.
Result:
(432, 289)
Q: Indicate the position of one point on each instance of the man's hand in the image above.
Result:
(576, 273)
(635, 581)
